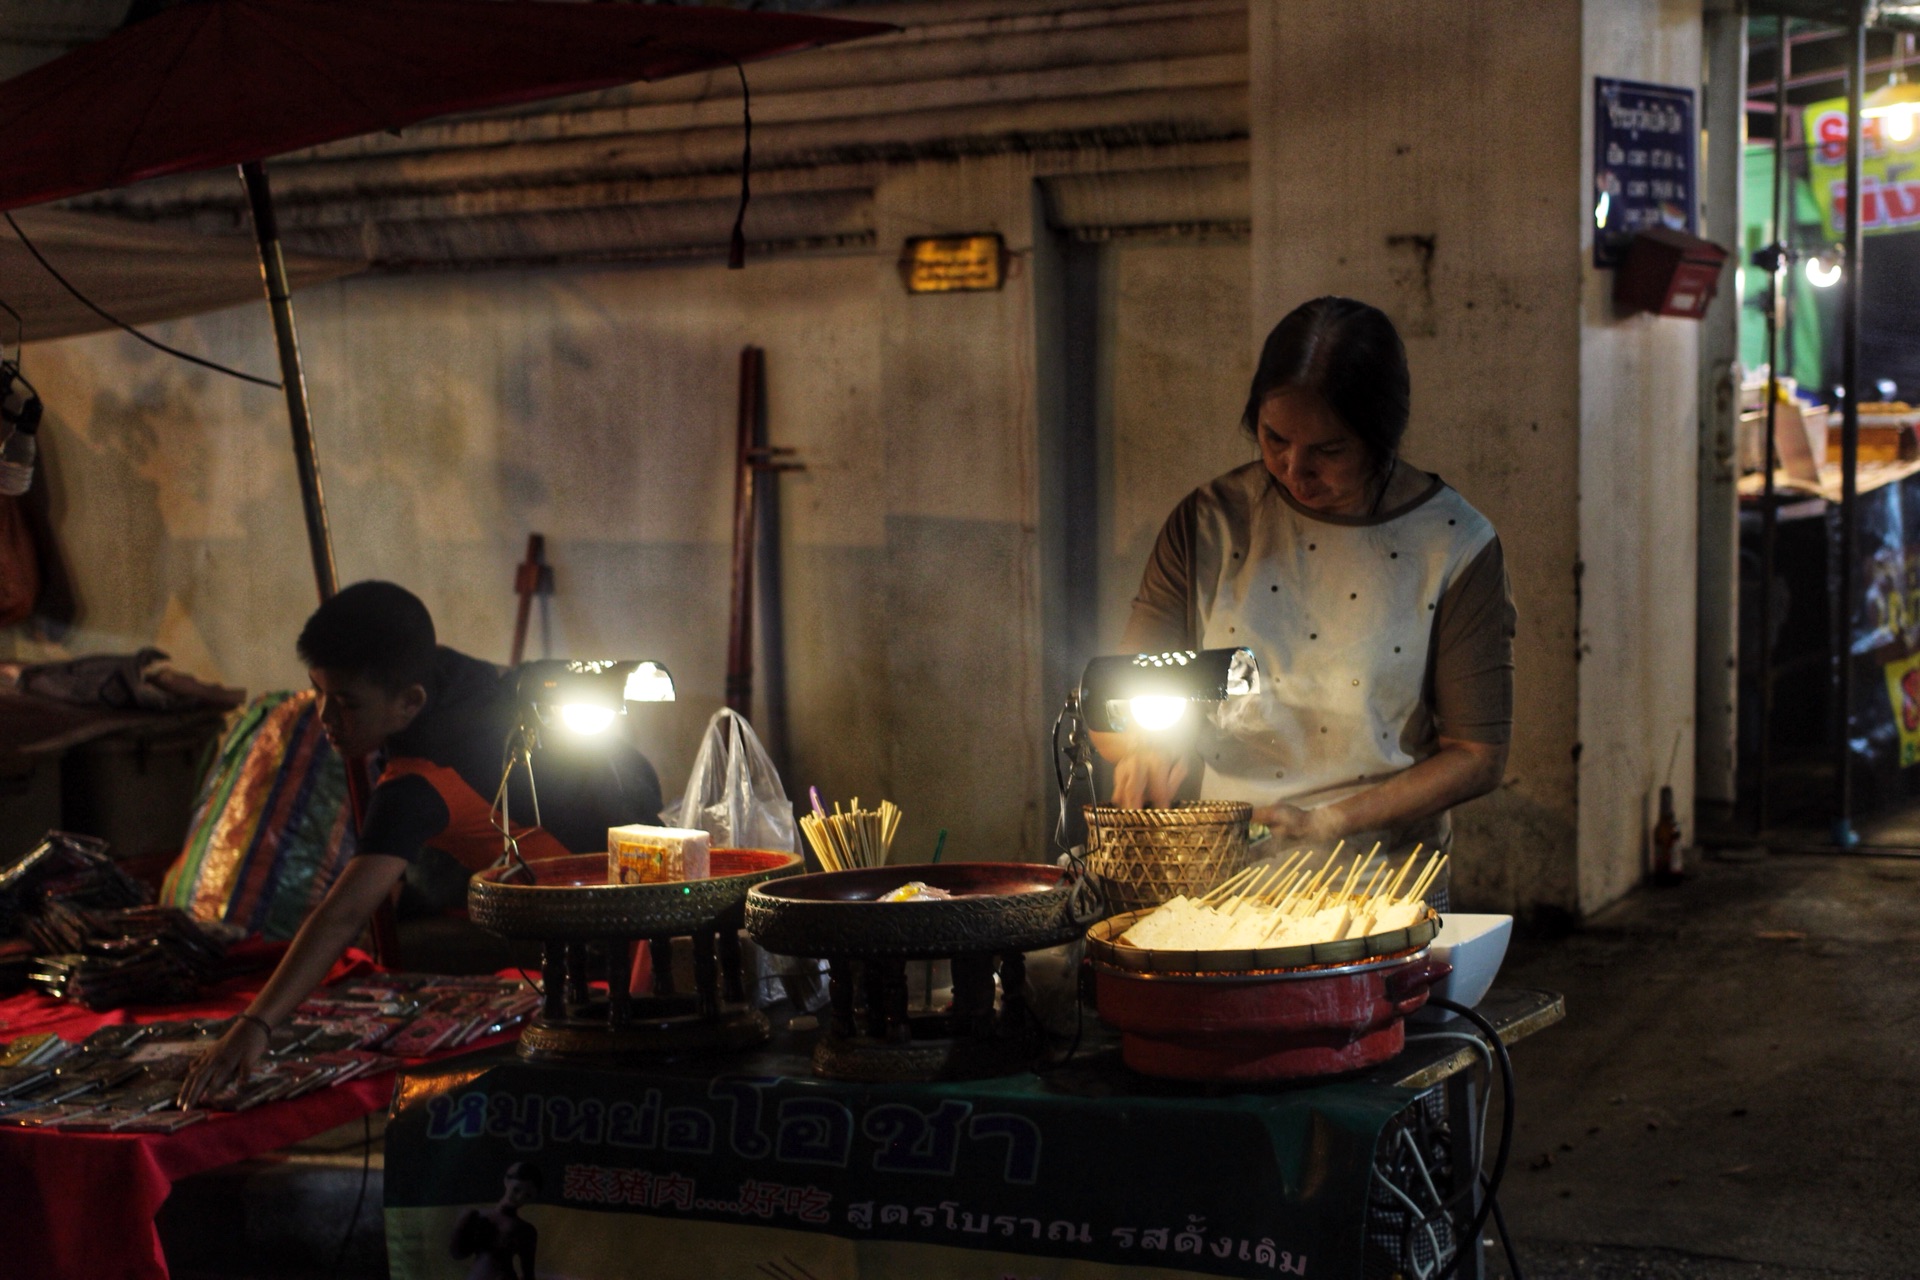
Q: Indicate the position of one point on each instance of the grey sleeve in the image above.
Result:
(1163, 614)
(1472, 671)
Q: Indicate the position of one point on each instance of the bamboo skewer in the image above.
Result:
(1220, 890)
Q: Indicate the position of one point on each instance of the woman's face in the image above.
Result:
(1313, 454)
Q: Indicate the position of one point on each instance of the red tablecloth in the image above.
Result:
(81, 1206)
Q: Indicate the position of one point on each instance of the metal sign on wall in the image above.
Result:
(1643, 163)
(954, 264)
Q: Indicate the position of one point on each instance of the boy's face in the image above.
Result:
(359, 715)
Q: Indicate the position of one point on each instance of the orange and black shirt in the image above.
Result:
(439, 776)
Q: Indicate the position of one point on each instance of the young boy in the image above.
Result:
(436, 723)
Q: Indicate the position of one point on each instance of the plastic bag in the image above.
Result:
(735, 794)
(736, 797)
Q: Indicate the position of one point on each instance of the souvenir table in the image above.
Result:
(79, 1206)
(749, 1165)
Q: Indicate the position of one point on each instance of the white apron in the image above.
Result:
(1340, 614)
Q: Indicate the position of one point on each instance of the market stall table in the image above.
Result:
(750, 1165)
(80, 1206)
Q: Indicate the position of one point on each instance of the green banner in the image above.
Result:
(843, 1180)
(1889, 172)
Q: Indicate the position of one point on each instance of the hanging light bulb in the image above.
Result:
(1895, 103)
(1821, 273)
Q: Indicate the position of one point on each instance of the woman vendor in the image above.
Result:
(1373, 596)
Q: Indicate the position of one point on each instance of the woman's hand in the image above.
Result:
(1294, 825)
(1147, 779)
(231, 1060)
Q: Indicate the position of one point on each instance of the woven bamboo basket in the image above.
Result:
(1146, 856)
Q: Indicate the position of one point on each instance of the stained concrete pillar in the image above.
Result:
(1717, 656)
(957, 408)
(1434, 158)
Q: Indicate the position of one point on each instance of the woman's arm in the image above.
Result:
(361, 887)
(1455, 774)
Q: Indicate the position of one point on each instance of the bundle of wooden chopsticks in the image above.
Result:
(856, 838)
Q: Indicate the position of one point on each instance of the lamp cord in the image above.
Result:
(117, 322)
(1492, 1181)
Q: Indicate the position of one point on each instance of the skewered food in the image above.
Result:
(1286, 905)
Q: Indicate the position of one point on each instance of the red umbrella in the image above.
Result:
(218, 82)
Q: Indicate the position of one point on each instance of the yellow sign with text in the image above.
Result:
(954, 264)
(1889, 172)
(1903, 690)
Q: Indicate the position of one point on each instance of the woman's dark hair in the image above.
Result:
(1349, 355)
(374, 630)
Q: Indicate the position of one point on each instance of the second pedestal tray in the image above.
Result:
(997, 912)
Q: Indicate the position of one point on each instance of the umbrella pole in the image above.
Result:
(273, 267)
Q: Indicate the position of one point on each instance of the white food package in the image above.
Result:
(655, 855)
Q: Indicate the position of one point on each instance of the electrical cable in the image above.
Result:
(737, 245)
(353, 1223)
(1470, 1238)
(116, 321)
(19, 327)
(1486, 1056)
(1506, 1240)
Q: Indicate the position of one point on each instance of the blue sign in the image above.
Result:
(1643, 163)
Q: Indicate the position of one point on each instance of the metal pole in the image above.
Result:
(1780, 280)
(1843, 832)
(273, 269)
(740, 628)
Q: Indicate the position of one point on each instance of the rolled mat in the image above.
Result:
(271, 825)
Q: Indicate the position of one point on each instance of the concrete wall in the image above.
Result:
(456, 413)
(1424, 156)
(1639, 502)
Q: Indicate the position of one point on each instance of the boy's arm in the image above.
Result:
(361, 887)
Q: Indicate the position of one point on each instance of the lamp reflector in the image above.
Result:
(649, 682)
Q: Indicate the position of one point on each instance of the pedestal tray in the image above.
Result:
(999, 911)
(588, 929)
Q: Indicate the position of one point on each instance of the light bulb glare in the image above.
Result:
(585, 718)
(1154, 713)
(1821, 274)
(1898, 125)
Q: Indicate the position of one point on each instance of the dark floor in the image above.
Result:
(1736, 1088)
(1735, 1093)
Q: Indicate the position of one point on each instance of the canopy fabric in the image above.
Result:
(137, 272)
(221, 82)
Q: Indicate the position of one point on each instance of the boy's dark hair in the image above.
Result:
(375, 630)
(524, 1171)
(1349, 355)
